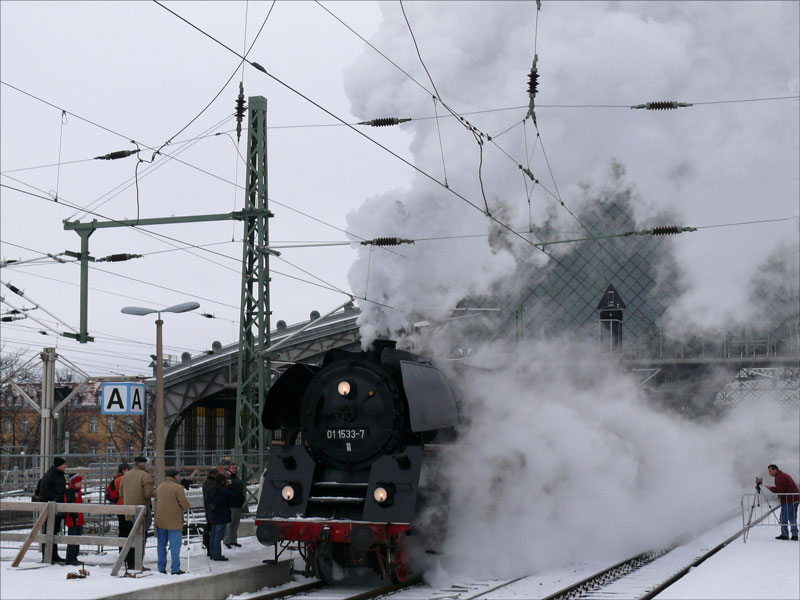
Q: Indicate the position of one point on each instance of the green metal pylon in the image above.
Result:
(253, 372)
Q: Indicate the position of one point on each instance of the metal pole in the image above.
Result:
(48, 401)
(159, 443)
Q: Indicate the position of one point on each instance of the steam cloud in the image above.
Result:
(563, 458)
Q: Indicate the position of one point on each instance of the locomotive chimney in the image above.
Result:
(379, 345)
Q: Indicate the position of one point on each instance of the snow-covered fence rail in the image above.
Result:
(47, 518)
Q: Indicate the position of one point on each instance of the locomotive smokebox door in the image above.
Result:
(431, 404)
(290, 472)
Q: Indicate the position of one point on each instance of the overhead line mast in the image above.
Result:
(253, 377)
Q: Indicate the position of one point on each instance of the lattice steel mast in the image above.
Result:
(254, 319)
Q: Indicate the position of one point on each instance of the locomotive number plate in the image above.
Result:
(347, 434)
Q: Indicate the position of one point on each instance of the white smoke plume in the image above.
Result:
(563, 458)
(707, 164)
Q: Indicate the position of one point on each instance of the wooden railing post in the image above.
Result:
(30, 539)
(138, 524)
(46, 535)
(140, 539)
(50, 529)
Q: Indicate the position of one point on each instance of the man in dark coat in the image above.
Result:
(220, 498)
(787, 488)
(51, 488)
(207, 485)
(237, 486)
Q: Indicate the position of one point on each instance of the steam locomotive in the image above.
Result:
(344, 486)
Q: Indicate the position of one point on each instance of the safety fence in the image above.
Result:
(20, 472)
(760, 511)
(44, 514)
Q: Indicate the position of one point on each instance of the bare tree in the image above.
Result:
(20, 428)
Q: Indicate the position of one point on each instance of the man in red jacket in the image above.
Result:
(790, 497)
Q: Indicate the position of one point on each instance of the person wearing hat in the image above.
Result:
(170, 503)
(74, 521)
(136, 488)
(51, 488)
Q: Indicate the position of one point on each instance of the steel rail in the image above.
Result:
(601, 579)
(289, 592)
(385, 590)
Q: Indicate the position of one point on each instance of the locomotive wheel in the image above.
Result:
(398, 568)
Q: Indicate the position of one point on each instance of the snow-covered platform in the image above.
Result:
(763, 568)
(243, 572)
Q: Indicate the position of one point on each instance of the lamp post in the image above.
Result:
(159, 441)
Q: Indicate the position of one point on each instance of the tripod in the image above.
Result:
(756, 502)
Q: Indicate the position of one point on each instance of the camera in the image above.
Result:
(759, 480)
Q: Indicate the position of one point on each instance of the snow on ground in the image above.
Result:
(761, 568)
(34, 579)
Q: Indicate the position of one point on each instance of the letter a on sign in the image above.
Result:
(115, 398)
(137, 399)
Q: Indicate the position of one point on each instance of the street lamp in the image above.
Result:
(159, 441)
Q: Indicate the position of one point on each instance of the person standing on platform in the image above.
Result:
(136, 488)
(74, 521)
(113, 493)
(220, 498)
(787, 488)
(237, 487)
(207, 485)
(171, 501)
(51, 489)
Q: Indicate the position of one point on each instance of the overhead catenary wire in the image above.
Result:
(290, 88)
(83, 362)
(60, 140)
(331, 288)
(5, 300)
(174, 157)
(22, 294)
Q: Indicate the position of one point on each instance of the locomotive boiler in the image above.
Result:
(343, 487)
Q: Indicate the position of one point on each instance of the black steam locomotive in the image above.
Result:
(344, 485)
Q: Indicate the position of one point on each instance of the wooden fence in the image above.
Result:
(48, 538)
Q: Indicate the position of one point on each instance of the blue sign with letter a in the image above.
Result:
(123, 399)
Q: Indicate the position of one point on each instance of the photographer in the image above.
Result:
(787, 488)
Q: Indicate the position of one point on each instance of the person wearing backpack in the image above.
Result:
(51, 489)
(74, 521)
(112, 493)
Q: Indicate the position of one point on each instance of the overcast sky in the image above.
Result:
(140, 72)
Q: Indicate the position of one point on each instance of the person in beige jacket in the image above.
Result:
(136, 488)
(170, 503)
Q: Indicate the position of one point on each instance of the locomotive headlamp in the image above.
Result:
(383, 494)
(344, 388)
(288, 493)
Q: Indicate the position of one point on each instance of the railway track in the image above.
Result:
(320, 591)
(642, 576)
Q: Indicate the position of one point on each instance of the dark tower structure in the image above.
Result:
(610, 307)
